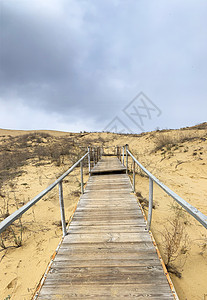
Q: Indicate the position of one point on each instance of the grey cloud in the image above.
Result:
(87, 59)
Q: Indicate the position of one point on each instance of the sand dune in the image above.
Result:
(177, 157)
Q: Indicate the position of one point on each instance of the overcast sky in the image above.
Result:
(120, 65)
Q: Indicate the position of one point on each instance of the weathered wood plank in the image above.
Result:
(107, 212)
(106, 275)
(110, 237)
(106, 222)
(105, 217)
(148, 259)
(97, 248)
(108, 228)
(132, 291)
(107, 253)
(110, 261)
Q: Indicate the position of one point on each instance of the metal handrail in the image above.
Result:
(18, 213)
(193, 211)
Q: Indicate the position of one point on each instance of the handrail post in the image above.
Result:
(89, 161)
(98, 154)
(133, 176)
(62, 210)
(81, 168)
(93, 157)
(123, 156)
(150, 203)
(126, 159)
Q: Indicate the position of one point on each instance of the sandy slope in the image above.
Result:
(22, 268)
(177, 166)
(9, 132)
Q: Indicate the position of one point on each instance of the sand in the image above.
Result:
(178, 167)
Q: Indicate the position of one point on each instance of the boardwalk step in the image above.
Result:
(108, 165)
(105, 292)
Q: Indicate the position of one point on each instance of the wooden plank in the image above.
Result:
(86, 222)
(135, 247)
(108, 228)
(106, 217)
(107, 211)
(105, 275)
(102, 206)
(132, 291)
(107, 237)
(100, 202)
(111, 261)
(145, 257)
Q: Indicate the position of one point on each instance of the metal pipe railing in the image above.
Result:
(18, 213)
(81, 169)
(193, 211)
(126, 157)
(133, 184)
(89, 161)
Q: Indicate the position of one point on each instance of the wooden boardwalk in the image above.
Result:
(108, 165)
(108, 253)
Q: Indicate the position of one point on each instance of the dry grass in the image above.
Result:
(39, 147)
(12, 236)
(143, 201)
(202, 244)
(36, 149)
(166, 141)
(175, 241)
